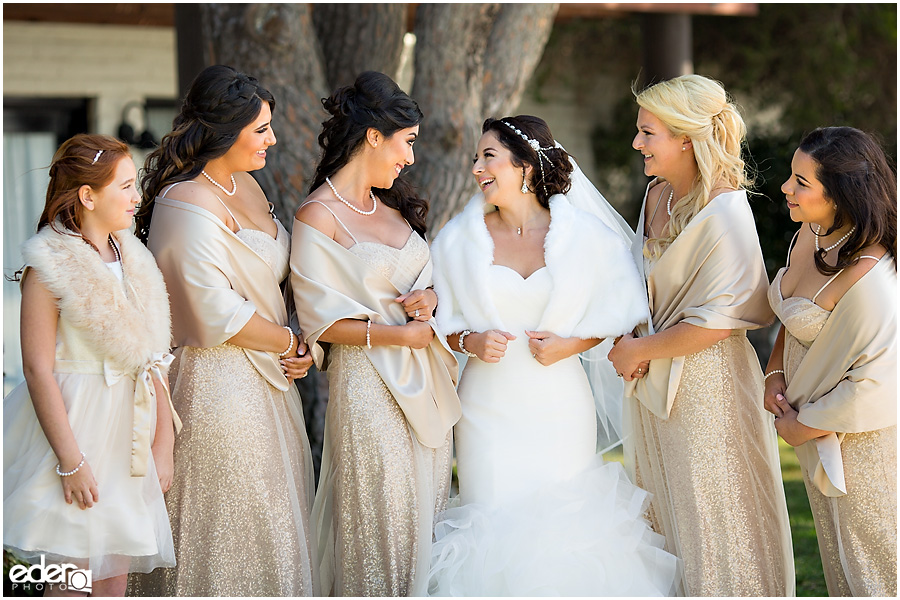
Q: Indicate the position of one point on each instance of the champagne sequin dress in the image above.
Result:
(380, 489)
(857, 532)
(713, 470)
(239, 503)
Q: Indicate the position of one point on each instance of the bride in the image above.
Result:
(526, 282)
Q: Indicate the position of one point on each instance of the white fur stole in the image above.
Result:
(126, 327)
(597, 291)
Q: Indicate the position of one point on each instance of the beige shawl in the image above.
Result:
(847, 382)
(331, 283)
(711, 276)
(216, 282)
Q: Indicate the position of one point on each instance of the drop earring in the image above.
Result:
(524, 185)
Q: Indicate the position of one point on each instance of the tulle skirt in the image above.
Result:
(584, 537)
(127, 530)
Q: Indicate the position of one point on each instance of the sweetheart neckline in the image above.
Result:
(519, 274)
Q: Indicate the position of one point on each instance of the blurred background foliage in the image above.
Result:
(791, 68)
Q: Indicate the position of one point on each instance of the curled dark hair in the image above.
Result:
(219, 104)
(857, 176)
(557, 169)
(375, 101)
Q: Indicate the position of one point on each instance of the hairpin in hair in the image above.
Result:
(96, 156)
(536, 146)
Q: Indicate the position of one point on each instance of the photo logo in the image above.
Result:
(67, 576)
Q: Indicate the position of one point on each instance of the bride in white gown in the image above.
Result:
(526, 282)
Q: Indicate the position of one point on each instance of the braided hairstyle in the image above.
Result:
(220, 103)
(373, 101)
(857, 176)
(555, 178)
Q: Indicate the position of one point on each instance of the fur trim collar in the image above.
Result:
(596, 287)
(128, 325)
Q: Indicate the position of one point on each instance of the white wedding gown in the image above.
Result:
(538, 511)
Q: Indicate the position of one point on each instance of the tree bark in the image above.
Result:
(276, 43)
(472, 61)
(359, 37)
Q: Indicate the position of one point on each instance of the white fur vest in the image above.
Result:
(126, 326)
(597, 291)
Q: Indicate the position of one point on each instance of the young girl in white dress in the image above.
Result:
(88, 437)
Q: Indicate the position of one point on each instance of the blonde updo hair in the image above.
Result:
(698, 108)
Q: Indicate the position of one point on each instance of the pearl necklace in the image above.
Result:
(342, 199)
(219, 185)
(115, 249)
(837, 243)
(669, 201)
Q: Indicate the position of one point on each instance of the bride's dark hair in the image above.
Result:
(374, 100)
(219, 104)
(557, 168)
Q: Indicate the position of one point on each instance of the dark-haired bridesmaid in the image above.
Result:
(361, 275)
(831, 381)
(243, 487)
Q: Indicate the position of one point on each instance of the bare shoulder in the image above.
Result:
(843, 282)
(718, 191)
(314, 213)
(190, 192)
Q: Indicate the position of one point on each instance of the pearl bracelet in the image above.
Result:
(73, 471)
(462, 348)
(368, 335)
(770, 373)
(291, 346)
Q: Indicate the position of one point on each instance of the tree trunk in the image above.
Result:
(472, 61)
(359, 37)
(276, 43)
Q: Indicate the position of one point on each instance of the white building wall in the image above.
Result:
(111, 63)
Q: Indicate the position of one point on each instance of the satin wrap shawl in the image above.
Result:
(847, 382)
(596, 289)
(216, 282)
(331, 283)
(712, 276)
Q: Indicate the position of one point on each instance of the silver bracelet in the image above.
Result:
(73, 471)
(770, 373)
(462, 348)
(291, 346)
(368, 335)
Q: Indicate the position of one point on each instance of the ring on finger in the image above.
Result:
(417, 312)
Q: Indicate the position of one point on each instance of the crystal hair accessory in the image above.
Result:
(536, 146)
(97, 156)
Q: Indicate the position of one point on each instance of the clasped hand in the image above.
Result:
(419, 304)
(626, 360)
(297, 364)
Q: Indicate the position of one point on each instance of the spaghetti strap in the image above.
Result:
(867, 256)
(166, 191)
(791, 247)
(336, 218)
(827, 283)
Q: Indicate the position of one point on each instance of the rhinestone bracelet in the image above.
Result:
(73, 471)
(462, 348)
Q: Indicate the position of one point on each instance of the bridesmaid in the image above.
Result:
(699, 441)
(361, 274)
(832, 378)
(240, 501)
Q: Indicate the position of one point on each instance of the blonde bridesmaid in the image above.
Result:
(240, 502)
(699, 440)
(361, 275)
(832, 378)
